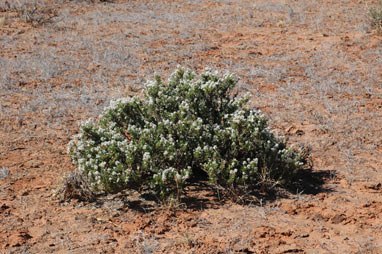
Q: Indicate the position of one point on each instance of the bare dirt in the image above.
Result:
(313, 67)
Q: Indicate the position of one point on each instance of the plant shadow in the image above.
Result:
(311, 182)
(200, 195)
(307, 181)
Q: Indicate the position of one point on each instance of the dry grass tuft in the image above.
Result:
(75, 186)
(37, 15)
(33, 12)
(375, 15)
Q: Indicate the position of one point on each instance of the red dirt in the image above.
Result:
(313, 67)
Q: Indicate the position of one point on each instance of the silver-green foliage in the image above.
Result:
(179, 129)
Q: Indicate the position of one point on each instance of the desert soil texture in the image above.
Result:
(313, 67)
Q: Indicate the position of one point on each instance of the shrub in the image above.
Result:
(182, 129)
(375, 15)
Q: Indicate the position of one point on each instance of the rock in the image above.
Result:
(3, 207)
(337, 219)
(33, 164)
(289, 249)
(19, 238)
(375, 186)
(293, 130)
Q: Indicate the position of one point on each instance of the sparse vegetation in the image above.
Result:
(75, 186)
(4, 173)
(375, 15)
(316, 77)
(37, 15)
(34, 12)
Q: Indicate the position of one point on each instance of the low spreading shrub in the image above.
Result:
(183, 129)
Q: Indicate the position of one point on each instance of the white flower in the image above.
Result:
(146, 156)
(178, 177)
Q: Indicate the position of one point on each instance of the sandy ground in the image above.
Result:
(313, 67)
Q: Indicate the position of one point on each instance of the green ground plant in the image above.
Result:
(183, 129)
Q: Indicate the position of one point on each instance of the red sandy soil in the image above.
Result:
(313, 67)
